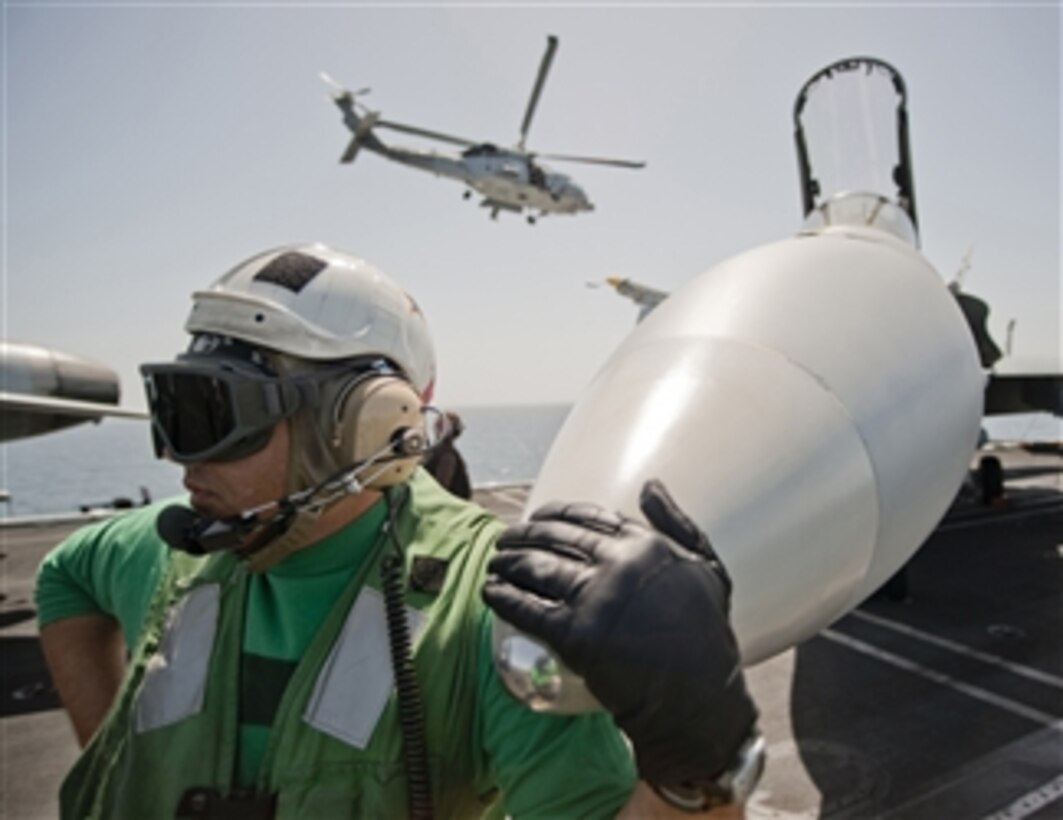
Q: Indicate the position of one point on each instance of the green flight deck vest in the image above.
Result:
(335, 748)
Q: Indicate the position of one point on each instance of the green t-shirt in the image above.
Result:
(545, 765)
(110, 568)
(285, 608)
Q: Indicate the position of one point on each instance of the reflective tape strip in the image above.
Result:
(176, 676)
(356, 680)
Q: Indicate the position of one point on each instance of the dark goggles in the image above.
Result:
(216, 409)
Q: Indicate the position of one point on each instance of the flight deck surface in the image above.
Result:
(942, 701)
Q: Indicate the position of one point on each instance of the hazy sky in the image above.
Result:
(149, 147)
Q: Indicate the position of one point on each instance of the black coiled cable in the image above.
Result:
(411, 710)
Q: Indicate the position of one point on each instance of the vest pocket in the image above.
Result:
(176, 675)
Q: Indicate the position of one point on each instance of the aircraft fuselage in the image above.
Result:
(508, 180)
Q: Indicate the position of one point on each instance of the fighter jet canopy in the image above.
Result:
(851, 129)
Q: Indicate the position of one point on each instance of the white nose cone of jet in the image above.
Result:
(812, 404)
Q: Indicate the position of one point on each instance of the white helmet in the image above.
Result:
(315, 310)
(316, 303)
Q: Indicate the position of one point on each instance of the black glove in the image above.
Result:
(642, 617)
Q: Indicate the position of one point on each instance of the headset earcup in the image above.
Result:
(376, 414)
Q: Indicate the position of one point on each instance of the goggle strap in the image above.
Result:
(307, 392)
(282, 398)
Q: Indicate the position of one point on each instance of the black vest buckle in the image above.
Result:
(199, 803)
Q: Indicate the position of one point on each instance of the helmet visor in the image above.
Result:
(214, 410)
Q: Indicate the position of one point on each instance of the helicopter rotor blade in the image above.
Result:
(533, 101)
(338, 91)
(619, 163)
(424, 132)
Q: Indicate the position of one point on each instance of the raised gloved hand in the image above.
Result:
(642, 616)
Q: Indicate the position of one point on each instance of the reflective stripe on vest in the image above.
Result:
(175, 679)
(354, 684)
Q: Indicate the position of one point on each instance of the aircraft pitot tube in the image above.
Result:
(813, 404)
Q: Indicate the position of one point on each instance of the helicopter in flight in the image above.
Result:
(510, 179)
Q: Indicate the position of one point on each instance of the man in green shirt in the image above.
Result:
(306, 636)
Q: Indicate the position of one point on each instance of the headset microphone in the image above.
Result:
(184, 530)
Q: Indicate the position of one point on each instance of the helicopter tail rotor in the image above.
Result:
(338, 92)
(357, 117)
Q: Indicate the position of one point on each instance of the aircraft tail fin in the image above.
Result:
(362, 136)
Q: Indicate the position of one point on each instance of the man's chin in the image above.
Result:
(209, 508)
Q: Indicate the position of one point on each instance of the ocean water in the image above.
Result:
(94, 464)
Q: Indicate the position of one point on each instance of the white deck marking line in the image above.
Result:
(1031, 802)
(960, 649)
(1035, 715)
